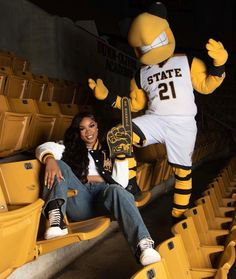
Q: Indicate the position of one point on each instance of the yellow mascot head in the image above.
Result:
(151, 36)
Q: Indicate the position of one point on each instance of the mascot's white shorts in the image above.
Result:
(178, 133)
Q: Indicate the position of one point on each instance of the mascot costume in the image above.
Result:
(165, 85)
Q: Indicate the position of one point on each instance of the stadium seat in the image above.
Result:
(20, 64)
(153, 271)
(223, 199)
(173, 252)
(220, 211)
(4, 72)
(226, 261)
(144, 176)
(41, 125)
(214, 222)
(18, 232)
(16, 84)
(18, 221)
(142, 198)
(206, 235)
(63, 121)
(13, 129)
(69, 109)
(200, 255)
(37, 88)
(158, 172)
(24, 188)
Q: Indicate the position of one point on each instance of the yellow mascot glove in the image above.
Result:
(99, 89)
(217, 52)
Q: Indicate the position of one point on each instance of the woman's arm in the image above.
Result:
(49, 149)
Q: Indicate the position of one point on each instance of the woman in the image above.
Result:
(85, 166)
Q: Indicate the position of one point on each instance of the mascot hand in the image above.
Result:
(217, 52)
(99, 89)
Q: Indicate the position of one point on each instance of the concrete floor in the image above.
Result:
(111, 258)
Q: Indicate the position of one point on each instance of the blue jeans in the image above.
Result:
(97, 199)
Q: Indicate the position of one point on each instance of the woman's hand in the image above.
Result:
(51, 170)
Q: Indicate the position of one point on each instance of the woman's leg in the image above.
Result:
(78, 207)
(120, 204)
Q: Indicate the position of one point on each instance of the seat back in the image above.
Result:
(13, 129)
(41, 126)
(69, 109)
(213, 221)
(173, 252)
(16, 84)
(226, 261)
(157, 270)
(18, 233)
(192, 243)
(24, 186)
(144, 176)
(199, 218)
(62, 121)
(206, 235)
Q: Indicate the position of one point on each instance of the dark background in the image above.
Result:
(192, 22)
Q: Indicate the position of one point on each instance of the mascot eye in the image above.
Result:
(161, 40)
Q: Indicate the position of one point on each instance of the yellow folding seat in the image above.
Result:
(69, 92)
(41, 125)
(37, 88)
(55, 89)
(86, 108)
(63, 121)
(142, 198)
(6, 58)
(18, 233)
(144, 176)
(173, 252)
(200, 255)
(223, 199)
(69, 109)
(152, 271)
(206, 235)
(214, 221)
(4, 72)
(219, 210)
(20, 64)
(24, 187)
(13, 129)
(226, 261)
(227, 184)
(16, 84)
(19, 220)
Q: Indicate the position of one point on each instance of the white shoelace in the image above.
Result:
(146, 243)
(54, 217)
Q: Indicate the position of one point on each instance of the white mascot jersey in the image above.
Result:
(169, 88)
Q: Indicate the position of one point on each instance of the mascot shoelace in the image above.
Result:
(165, 84)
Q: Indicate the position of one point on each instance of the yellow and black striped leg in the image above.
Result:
(182, 190)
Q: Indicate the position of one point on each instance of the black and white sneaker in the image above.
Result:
(57, 227)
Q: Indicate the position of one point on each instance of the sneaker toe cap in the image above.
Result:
(55, 232)
(149, 256)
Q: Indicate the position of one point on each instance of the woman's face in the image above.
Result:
(88, 131)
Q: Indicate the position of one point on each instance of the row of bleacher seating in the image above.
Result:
(20, 210)
(33, 108)
(17, 81)
(26, 123)
(203, 243)
(28, 119)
